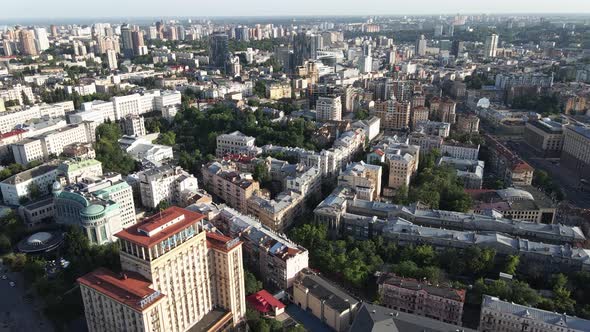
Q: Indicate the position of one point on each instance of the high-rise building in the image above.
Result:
(218, 49)
(42, 40)
(457, 48)
(421, 46)
(27, 42)
(112, 59)
(152, 33)
(127, 40)
(176, 277)
(138, 42)
(301, 48)
(491, 46)
(53, 30)
(134, 125)
(366, 60)
(394, 115)
(329, 108)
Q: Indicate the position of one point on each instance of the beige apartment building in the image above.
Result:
(365, 179)
(176, 277)
(576, 149)
(278, 90)
(412, 296)
(234, 188)
(545, 136)
(393, 114)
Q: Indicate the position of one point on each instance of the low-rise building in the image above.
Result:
(141, 149)
(459, 150)
(439, 302)
(545, 136)
(236, 143)
(324, 300)
(469, 171)
(278, 213)
(498, 315)
(522, 203)
(278, 90)
(20, 186)
(75, 170)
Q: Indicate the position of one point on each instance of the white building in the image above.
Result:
(134, 125)
(75, 170)
(460, 151)
(167, 98)
(20, 185)
(10, 119)
(16, 93)
(498, 315)
(141, 149)
(41, 39)
(112, 59)
(236, 143)
(371, 126)
(165, 183)
(329, 109)
(51, 143)
(491, 46)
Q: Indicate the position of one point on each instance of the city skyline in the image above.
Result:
(228, 8)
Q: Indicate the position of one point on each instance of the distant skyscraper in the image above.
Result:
(438, 30)
(112, 59)
(457, 48)
(152, 33)
(27, 42)
(42, 40)
(127, 40)
(421, 46)
(218, 49)
(366, 60)
(138, 43)
(242, 33)
(491, 46)
(181, 32)
(301, 49)
(53, 31)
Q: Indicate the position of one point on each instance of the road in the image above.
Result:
(568, 180)
(17, 311)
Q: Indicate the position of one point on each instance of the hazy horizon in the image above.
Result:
(68, 9)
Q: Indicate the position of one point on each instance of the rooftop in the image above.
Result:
(160, 226)
(324, 290)
(128, 288)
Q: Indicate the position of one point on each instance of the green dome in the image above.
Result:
(93, 210)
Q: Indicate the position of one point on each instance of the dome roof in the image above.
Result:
(56, 186)
(515, 194)
(93, 209)
(39, 238)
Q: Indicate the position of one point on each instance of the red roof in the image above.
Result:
(220, 242)
(12, 133)
(138, 233)
(264, 302)
(128, 288)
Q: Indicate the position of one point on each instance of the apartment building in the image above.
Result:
(152, 295)
(468, 171)
(327, 302)
(409, 295)
(508, 165)
(443, 109)
(329, 108)
(459, 150)
(167, 98)
(468, 124)
(19, 186)
(435, 128)
(277, 213)
(236, 143)
(272, 256)
(394, 115)
(234, 188)
(365, 179)
(498, 315)
(166, 183)
(545, 136)
(134, 125)
(418, 115)
(576, 149)
(403, 164)
(16, 93)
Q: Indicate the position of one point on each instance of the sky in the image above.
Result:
(11, 9)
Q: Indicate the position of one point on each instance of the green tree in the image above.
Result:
(167, 138)
(511, 264)
(5, 244)
(251, 284)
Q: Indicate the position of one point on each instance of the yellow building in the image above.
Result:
(276, 91)
(176, 276)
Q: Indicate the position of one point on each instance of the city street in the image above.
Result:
(18, 312)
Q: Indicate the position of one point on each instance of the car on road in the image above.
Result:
(12, 284)
(4, 277)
